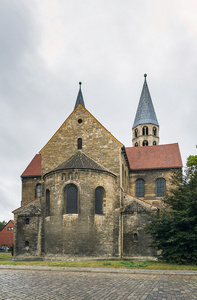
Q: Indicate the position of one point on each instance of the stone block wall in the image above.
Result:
(150, 177)
(85, 233)
(29, 188)
(28, 229)
(97, 143)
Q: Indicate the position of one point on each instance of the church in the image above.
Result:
(87, 195)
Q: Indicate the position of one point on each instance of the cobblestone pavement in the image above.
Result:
(64, 284)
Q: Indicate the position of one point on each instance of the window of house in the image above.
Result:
(10, 228)
(79, 143)
(26, 220)
(154, 143)
(47, 203)
(145, 143)
(26, 243)
(99, 195)
(139, 188)
(136, 131)
(71, 199)
(136, 144)
(160, 187)
(145, 130)
(38, 190)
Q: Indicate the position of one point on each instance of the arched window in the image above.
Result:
(47, 203)
(99, 196)
(122, 175)
(154, 131)
(145, 143)
(145, 130)
(38, 190)
(79, 143)
(154, 143)
(136, 144)
(160, 187)
(139, 188)
(136, 131)
(26, 243)
(71, 199)
(135, 237)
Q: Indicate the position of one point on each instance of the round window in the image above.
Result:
(80, 121)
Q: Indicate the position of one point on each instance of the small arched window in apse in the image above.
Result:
(47, 203)
(99, 196)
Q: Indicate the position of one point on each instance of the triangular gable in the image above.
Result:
(10, 223)
(132, 200)
(79, 105)
(30, 206)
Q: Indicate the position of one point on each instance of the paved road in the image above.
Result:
(64, 284)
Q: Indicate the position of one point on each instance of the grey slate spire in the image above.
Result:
(79, 97)
(145, 112)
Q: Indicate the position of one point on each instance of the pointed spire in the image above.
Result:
(145, 112)
(79, 97)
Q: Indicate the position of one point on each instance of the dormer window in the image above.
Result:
(145, 130)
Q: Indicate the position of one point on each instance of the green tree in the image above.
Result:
(2, 224)
(174, 228)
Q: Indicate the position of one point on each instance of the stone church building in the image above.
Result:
(86, 194)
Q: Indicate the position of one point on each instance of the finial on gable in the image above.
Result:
(79, 97)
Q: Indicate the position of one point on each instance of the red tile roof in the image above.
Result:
(34, 168)
(7, 234)
(154, 157)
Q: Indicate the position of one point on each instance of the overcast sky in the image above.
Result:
(48, 46)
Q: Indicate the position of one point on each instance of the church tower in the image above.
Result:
(145, 128)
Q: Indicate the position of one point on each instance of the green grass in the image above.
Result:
(6, 259)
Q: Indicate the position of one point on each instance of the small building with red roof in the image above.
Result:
(86, 194)
(7, 235)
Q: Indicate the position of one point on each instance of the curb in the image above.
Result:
(101, 270)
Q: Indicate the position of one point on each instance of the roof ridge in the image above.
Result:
(26, 203)
(140, 199)
(153, 146)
